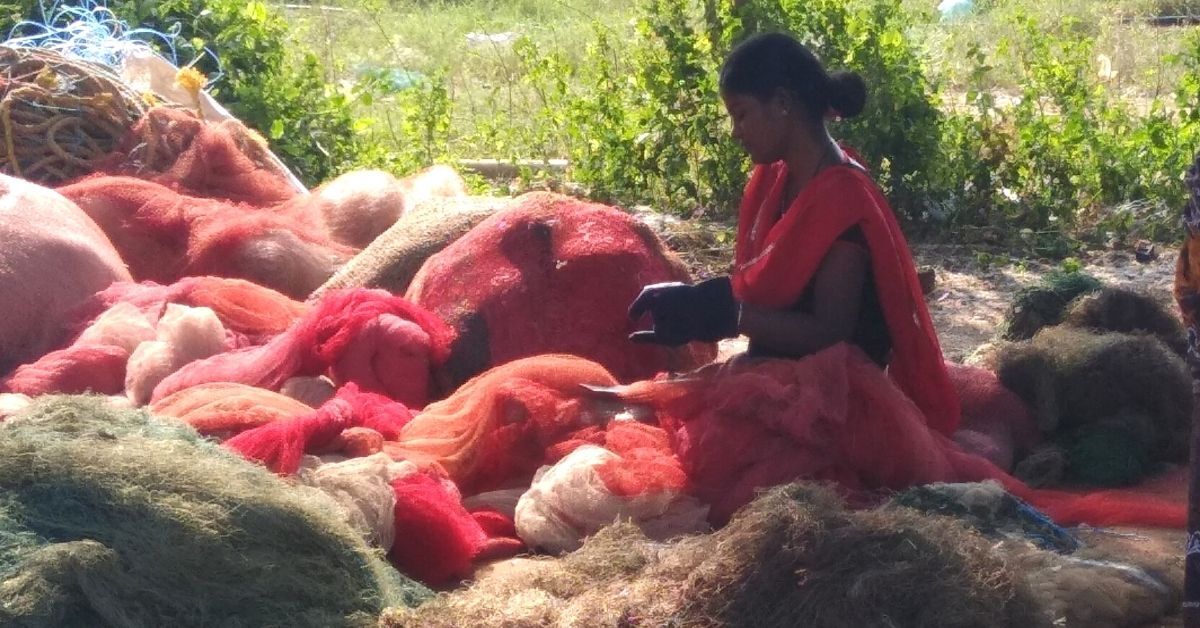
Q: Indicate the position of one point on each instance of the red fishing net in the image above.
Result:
(74, 370)
(378, 341)
(625, 471)
(224, 160)
(437, 540)
(996, 424)
(222, 409)
(836, 416)
(551, 274)
(164, 235)
(52, 258)
(496, 429)
(280, 445)
(246, 308)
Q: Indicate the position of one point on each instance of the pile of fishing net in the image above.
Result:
(53, 259)
(165, 235)
(219, 159)
(496, 430)
(1113, 407)
(430, 534)
(393, 258)
(1045, 303)
(1076, 299)
(246, 308)
(1100, 373)
(228, 223)
(626, 471)
(996, 423)
(1080, 577)
(125, 352)
(186, 345)
(796, 557)
(353, 423)
(359, 206)
(145, 332)
(832, 416)
(222, 410)
(113, 518)
(378, 341)
(551, 274)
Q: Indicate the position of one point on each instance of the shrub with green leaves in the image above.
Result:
(649, 126)
(1067, 157)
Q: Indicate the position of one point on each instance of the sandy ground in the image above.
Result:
(969, 299)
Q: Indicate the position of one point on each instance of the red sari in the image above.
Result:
(777, 257)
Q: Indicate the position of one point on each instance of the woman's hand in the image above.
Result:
(683, 313)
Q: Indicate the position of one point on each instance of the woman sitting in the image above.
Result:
(820, 259)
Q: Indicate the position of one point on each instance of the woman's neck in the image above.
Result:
(810, 154)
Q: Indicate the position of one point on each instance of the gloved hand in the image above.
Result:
(682, 313)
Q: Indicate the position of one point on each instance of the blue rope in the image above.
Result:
(90, 31)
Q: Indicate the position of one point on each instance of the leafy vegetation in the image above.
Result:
(1044, 126)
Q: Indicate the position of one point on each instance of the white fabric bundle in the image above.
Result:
(569, 502)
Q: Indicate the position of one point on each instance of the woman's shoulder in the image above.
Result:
(843, 183)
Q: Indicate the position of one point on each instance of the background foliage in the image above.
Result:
(1043, 126)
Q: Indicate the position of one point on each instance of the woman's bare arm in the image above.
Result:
(837, 297)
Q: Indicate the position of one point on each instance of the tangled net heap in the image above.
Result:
(59, 116)
(114, 518)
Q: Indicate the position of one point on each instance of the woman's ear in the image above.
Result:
(783, 103)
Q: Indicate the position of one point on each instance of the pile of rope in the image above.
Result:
(59, 116)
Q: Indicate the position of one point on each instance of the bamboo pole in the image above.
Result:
(500, 169)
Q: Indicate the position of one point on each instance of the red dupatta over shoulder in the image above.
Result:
(777, 256)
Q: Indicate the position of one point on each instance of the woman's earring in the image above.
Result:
(784, 112)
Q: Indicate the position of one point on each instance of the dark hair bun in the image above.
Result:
(847, 93)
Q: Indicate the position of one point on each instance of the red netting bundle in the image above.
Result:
(224, 160)
(95, 368)
(551, 274)
(280, 445)
(52, 258)
(996, 424)
(378, 341)
(437, 540)
(126, 350)
(93, 362)
(164, 235)
(106, 355)
(496, 429)
(221, 410)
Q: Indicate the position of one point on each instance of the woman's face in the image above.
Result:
(759, 126)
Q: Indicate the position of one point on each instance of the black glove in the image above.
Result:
(682, 313)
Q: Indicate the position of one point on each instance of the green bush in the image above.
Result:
(1068, 157)
(648, 124)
